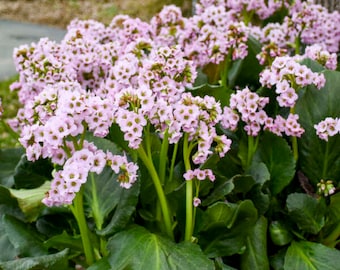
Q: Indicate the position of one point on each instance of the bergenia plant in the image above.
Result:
(202, 142)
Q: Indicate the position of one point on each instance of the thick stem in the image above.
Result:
(173, 160)
(95, 205)
(189, 193)
(331, 239)
(325, 163)
(250, 151)
(163, 157)
(294, 141)
(78, 212)
(159, 189)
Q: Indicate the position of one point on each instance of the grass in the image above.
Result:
(10, 104)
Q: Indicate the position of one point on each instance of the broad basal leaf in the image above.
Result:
(318, 159)
(225, 227)
(138, 249)
(25, 239)
(9, 159)
(32, 174)
(55, 261)
(311, 256)
(29, 200)
(255, 256)
(111, 205)
(307, 211)
(276, 154)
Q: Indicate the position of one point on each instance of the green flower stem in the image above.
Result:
(331, 239)
(225, 69)
(252, 146)
(159, 189)
(189, 224)
(325, 163)
(98, 220)
(78, 212)
(173, 160)
(297, 44)
(294, 141)
(163, 156)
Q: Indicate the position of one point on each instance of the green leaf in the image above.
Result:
(111, 206)
(102, 264)
(243, 183)
(219, 92)
(55, 261)
(321, 161)
(219, 192)
(65, 240)
(8, 251)
(279, 161)
(255, 255)
(279, 233)
(9, 159)
(24, 238)
(29, 200)
(225, 227)
(331, 230)
(32, 174)
(260, 172)
(246, 71)
(307, 211)
(136, 248)
(311, 256)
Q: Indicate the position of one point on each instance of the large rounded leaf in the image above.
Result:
(138, 249)
(318, 159)
(311, 256)
(276, 154)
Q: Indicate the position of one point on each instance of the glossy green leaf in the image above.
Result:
(24, 238)
(331, 230)
(8, 252)
(219, 192)
(9, 159)
(136, 248)
(243, 183)
(279, 233)
(278, 159)
(32, 174)
(245, 72)
(311, 256)
(225, 227)
(255, 256)
(111, 206)
(259, 172)
(55, 261)
(29, 200)
(102, 264)
(321, 161)
(65, 240)
(307, 212)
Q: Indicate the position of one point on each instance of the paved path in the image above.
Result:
(14, 34)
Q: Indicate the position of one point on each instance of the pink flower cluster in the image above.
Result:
(134, 74)
(307, 23)
(247, 106)
(288, 76)
(199, 175)
(262, 8)
(322, 56)
(67, 182)
(328, 128)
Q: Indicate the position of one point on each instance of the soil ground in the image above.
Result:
(60, 12)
